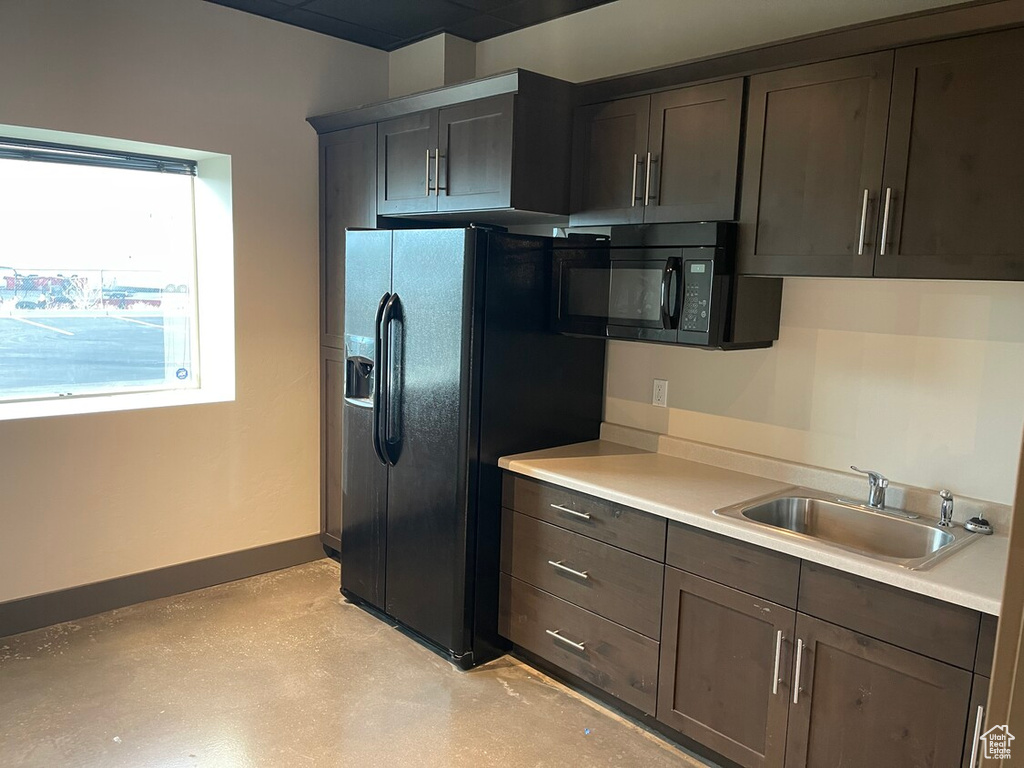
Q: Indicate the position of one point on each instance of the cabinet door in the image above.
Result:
(476, 155)
(695, 152)
(609, 155)
(348, 194)
(723, 661)
(973, 746)
(954, 166)
(407, 164)
(332, 399)
(863, 702)
(813, 168)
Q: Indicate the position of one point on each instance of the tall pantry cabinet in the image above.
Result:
(348, 198)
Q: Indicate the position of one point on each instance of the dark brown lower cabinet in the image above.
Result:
(976, 723)
(725, 657)
(608, 656)
(862, 702)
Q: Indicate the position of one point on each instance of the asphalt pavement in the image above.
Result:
(48, 353)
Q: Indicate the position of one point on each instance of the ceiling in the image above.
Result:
(391, 24)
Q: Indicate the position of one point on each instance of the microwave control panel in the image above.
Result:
(696, 314)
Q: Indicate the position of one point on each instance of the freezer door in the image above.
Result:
(364, 476)
(428, 434)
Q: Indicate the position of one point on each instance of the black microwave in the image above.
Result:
(665, 283)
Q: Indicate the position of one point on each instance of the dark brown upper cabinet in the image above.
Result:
(672, 156)
(507, 154)
(348, 194)
(859, 701)
(725, 661)
(453, 159)
(609, 144)
(406, 152)
(953, 188)
(475, 168)
(813, 168)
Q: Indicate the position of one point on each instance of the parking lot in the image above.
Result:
(67, 352)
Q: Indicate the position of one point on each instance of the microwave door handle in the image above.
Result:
(378, 372)
(677, 266)
(666, 279)
(670, 314)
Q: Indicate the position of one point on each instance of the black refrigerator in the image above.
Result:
(450, 364)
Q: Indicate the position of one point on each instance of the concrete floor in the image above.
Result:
(278, 670)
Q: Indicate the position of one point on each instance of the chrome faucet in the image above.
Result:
(946, 515)
(877, 483)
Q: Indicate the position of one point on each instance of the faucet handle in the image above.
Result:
(876, 478)
(945, 495)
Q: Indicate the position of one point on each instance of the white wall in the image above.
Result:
(417, 67)
(629, 35)
(919, 380)
(85, 498)
(432, 63)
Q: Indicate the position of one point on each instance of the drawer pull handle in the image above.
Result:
(778, 658)
(799, 662)
(560, 508)
(426, 176)
(885, 221)
(636, 162)
(567, 569)
(647, 182)
(555, 634)
(863, 222)
(979, 722)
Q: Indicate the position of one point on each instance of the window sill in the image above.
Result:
(129, 401)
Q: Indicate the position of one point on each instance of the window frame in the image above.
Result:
(214, 265)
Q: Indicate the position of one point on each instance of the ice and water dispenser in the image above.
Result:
(359, 370)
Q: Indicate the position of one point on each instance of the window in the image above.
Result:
(102, 279)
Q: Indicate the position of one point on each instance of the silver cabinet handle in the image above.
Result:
(863, 223)
(426, 176)
(796, 678)
(778, 658)
(437, 173)
(560, 508)
(555, 634)
(636, 161)
(558, 564)
(979, 722)
(885, 221)
(647, 180)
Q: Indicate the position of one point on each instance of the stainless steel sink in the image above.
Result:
(808, 514)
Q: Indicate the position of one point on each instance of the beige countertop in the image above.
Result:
(688, 492)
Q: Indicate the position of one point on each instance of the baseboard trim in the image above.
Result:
(30, 613)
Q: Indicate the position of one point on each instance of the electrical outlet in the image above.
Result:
(660, 397)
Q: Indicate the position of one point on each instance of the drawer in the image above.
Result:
(921, 624)
(617, 584)
(614, 524)
(749, 568)
(615, 659)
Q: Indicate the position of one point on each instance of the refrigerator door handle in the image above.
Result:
(384, 378)
(377, 372)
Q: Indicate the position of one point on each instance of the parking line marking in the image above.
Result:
(40, 325)
(140, 322)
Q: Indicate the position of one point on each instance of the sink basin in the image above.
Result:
(808, 514)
